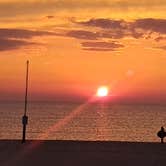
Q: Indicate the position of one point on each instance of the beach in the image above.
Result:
(81, 153)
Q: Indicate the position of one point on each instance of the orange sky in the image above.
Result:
(76, 46)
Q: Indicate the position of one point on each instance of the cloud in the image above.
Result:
(98, 49)
(101, 46)
(28, 7)
(117, 29)
(150, 24)
(100, 28)
(50, 17)
(16, 38)
(81, 34)
(10, 44)
(105, 23)
(161, 47)
(160, 38)
(21, 33)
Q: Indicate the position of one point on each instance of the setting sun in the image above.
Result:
(102, 91)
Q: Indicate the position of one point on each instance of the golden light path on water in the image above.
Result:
(61, 123)
(102, 93)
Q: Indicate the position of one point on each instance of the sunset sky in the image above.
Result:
(75, 46)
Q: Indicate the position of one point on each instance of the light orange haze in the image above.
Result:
(74, 47)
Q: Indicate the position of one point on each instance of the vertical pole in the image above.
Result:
(24, 133)
(162, 140)
(26, 89)
(25, 117)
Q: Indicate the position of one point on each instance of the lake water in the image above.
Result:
(86, 121)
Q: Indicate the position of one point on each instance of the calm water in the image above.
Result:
(101, 121)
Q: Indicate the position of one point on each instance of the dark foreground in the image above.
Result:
(81, 153)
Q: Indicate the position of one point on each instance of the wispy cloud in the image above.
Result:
(21, 33)
(140, 28)
(82, 34)
(101, 46)
(105, 23)
(160, 38)
(161, 47)
(10, 44)
(17, 7)
(16, 38)
(97, 30)
(50, 16)
(150, 24)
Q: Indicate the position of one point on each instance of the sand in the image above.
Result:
(81, 153)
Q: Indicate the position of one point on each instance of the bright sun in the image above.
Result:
(102, 91)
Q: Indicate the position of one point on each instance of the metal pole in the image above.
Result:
(26, 90)
(25, 117)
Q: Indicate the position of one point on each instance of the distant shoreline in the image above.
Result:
(84, 101)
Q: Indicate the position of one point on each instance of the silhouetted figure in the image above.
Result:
(161, 134)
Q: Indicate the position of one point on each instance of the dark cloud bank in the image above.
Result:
(119, 28)
(147, 28)
(15, 38)
(10, 44)
(101, 46)
(156, 25)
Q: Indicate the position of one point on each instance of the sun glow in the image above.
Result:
(102, 91)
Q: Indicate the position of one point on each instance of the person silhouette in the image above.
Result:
(162, 134)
